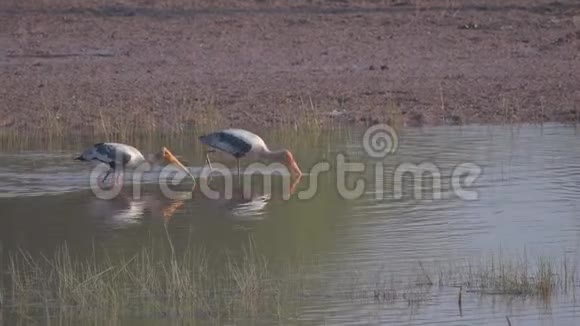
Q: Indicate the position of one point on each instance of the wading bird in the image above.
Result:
(244, 144)
(121, 156)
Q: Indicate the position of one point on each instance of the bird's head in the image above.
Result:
(165, 157)
(288, 159)
(168, 157)
(85, 155)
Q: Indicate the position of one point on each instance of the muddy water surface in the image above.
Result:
(527, 200)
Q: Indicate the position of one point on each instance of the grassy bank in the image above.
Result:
(157, 283)
(183, 117)
(149, 283)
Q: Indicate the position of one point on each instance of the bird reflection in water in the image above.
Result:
(242, 206)
(124, 210)
(169, 210)
(250, 209)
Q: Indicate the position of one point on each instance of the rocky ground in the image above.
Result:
(259, 63)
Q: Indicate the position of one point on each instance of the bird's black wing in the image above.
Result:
(228, 143)
(110, 154)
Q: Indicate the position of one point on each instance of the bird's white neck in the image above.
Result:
(149, 159)
(276, 156)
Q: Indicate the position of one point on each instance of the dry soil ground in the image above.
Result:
(81, 65)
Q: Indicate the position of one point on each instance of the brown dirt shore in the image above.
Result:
(72, 66)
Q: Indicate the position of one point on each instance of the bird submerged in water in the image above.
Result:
(241, 143)
(122, 156)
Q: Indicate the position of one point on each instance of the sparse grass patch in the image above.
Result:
(510, 108)
(147, 283)
(180, 116)
(301, 114)
(195, 284)
(511, 275)
(393, 115)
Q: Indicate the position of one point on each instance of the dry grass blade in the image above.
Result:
(429, 282)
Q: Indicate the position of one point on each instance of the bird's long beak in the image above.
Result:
(294, 184)
(79, 158)
(170, 158)
(294, 169)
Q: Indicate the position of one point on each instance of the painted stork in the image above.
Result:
(121, 156)
(241, 143)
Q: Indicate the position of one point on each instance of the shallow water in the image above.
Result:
(527, 199)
